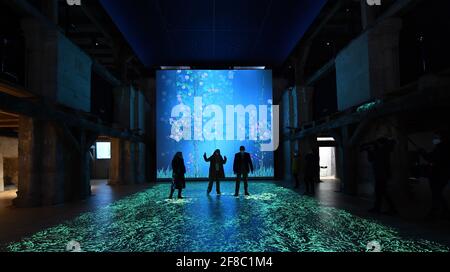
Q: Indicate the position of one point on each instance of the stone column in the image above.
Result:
(29, 187)
(148, 86)
(305, 115)
(349, 183)
(50, 9)
(305, 104)
(83, 188)
(140, 147)
(81, 167)
(367, 14)
(286, 107)
(141, 176)
(129, 162)
(123, 158)
(51, 169)
(115, 175)
(124, 154)
(292, 124)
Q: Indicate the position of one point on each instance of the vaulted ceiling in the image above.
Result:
(213, 32)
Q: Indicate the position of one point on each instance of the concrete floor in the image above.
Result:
(139, 218)
(412, 211)
(16, 224)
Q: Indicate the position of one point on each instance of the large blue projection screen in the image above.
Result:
(200, 111)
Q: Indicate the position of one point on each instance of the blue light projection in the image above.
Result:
(199, 111)
(272, 219)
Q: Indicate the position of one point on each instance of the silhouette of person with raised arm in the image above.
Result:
(178, 172)
(295, 169)
(242, 166)
(216, 171)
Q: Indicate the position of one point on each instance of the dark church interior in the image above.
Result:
(138, 126)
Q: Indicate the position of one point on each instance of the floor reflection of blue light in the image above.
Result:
(272, 219)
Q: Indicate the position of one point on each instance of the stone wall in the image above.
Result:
(368, 67)
(57, 69)
(352, 74)
(287, 117)
(74, 76)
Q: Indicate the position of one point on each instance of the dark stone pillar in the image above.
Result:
(384, 43)
(29, 187)
(52, 165)
(140, 154)
(50, 9)
(149, 89)
(127, 158)
(52, 168)
(122, 169)
(349, 166)
(305, 104)
(305, 115)
(367, 14)
(79, 167)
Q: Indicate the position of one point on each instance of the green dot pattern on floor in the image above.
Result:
(272, 219)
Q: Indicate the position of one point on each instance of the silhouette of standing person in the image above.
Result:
(178, 172)
(379, 155)
(242, 166)
(316, 164)
(295, 169)
(440, 171)
(310, 173)
(216, 171)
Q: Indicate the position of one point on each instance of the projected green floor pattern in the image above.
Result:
(272, 219)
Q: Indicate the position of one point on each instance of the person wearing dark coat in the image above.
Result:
(178, 175)
(310, 173)
(242, 166)
(379, 155)
(440, 172)
(216, 171)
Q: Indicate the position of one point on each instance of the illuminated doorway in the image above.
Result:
(327, 153)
